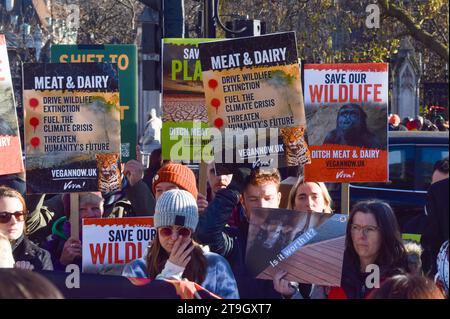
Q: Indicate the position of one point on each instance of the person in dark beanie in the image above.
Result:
(173, 253)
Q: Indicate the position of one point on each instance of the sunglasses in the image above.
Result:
(6, 217)
(168, 231)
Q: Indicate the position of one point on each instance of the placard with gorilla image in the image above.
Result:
(308, 246)
(346, 112)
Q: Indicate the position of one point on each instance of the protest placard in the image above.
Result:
(255, 83)
(110, 243)
(261, 148)
(308, 246)
(185, 121)
(346, 104)
(10, 149)
(125, 56)
(72, 128)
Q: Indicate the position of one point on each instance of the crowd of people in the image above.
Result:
(203, 237)
(419, 123)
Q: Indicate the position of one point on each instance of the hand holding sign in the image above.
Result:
(71, 250)
(202, 203)
(282, 285)
(26, 265)
(240, 175)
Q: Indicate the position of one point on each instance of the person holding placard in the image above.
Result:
(65, 249)
(134, 199)
(252, 189)
(374, 252)
(304, 197)
(13, 213)
(174, 255)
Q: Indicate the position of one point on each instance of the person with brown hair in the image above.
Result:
(173, 253)
(252, 189)
(13, 213)
(372, 239)
(23, 284)
(406, 286)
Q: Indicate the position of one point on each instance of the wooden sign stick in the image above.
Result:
(203, 178)
(345, 198)
(74, 215)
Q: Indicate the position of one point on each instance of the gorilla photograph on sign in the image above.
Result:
(346, 114)
(351, 129)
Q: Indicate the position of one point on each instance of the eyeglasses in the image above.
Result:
(5, 217)
(167, 231)
(366, 230)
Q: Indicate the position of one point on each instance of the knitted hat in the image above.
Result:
(176, 207)
(178, 174)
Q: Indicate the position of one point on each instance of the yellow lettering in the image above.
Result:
(122, 111)
(123, 62)
(113, 58)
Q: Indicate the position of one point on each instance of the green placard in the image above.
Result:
(183, 102)
(125, 55)
(412, 237)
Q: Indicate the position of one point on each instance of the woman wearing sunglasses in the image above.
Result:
(13, 213)
(174, 255)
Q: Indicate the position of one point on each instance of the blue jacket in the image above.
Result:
(219, 277)
(231, 242)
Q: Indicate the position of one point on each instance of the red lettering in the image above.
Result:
(316, 93)
(352, 99)
(129, 258)
(139, 250)
(332, 99)
(116, 254)
(343, 93)
(97, 253)
(110, 253)
(376, 93)
(367, 91)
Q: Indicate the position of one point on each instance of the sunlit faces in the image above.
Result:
(217, 182)
(167, 238)
(265, 195)
(366, 237)
(309, 198)
(164, 187)
(14, 228)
